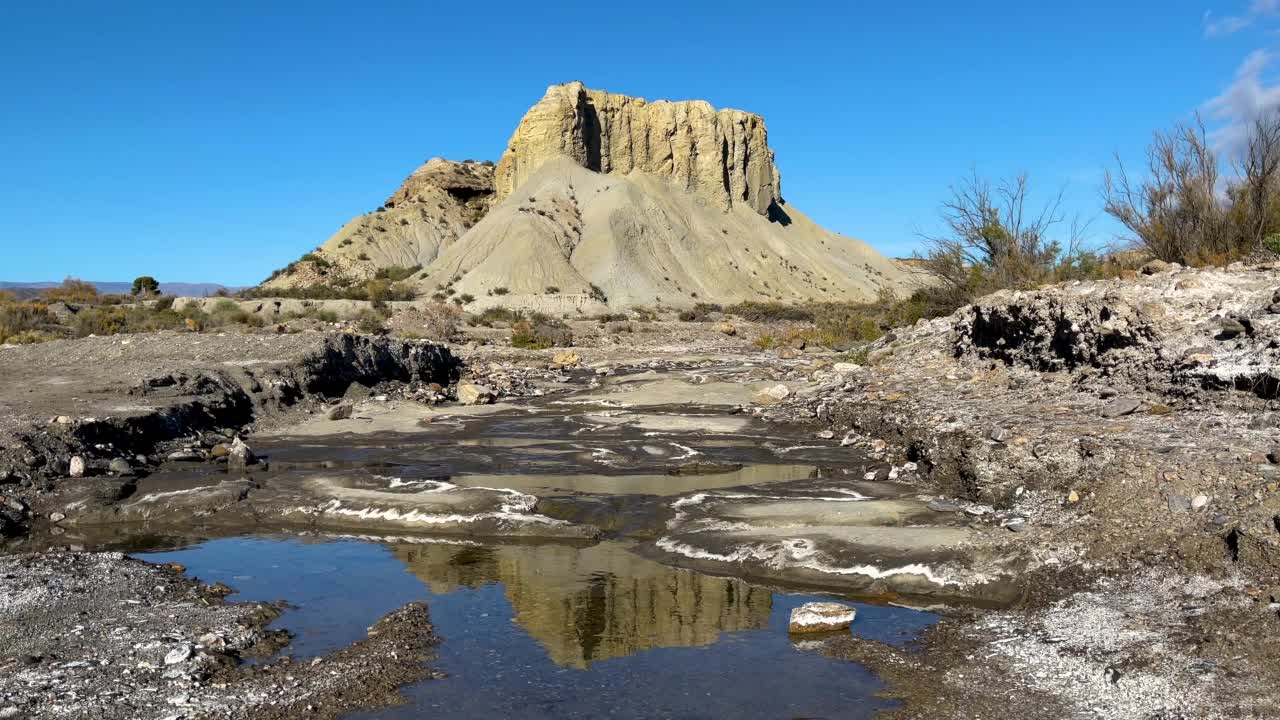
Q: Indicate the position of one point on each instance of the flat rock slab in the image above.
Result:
(821, 617)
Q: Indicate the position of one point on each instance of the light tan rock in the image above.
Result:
(821, 617)
(76, 467)
(472, 394)
(773, 395)
(566, 358)
(727, 328)
(722, 155)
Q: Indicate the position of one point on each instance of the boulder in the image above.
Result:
(341, 411)
(1120, 406)
(76, 467)
(821, 617)
(240, 455)
(773, 395)
(472, 394)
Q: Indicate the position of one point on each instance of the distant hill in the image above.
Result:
(183, 289)
(604, 199)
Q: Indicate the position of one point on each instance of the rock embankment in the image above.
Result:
(1112, 428)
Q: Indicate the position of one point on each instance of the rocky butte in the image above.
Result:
(604, 200)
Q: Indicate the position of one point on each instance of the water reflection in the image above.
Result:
(589, 604)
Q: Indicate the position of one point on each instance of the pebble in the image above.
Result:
(76, 467)
(186, 455)
(57, 517)
(1179, 503)
(1073, 497)
(1015, 524)
(120, 466)
(1120, 407)
(826, 435)
(182, 653)
(1199, 501)
(1001, 434)
(940, 505)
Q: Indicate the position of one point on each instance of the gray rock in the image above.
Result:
(1230, 328)
(182, 653)
(240, 455)
(341, 411)
(1274, 455)
(1120, 407)
(940, 505)
(120, 466)
(57, 517)
(76, 467)
(1001, 434)
(186, 455)
(1015, 524)
(1199, 501)
(1179, 503)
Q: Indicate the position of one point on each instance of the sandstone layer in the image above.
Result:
(722, 155)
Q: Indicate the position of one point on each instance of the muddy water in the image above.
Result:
(553, 630)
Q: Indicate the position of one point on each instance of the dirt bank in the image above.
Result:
(116, 402)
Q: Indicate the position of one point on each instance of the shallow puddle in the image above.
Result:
(553, 630)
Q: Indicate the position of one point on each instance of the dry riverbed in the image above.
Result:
(1081, 480)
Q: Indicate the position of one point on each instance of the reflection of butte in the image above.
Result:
(586, 604)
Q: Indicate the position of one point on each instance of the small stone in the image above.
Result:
(1120, 407)
(1179, 503)
(472, 394)
(1001, 434)
(186, 455)
(63, 420)
(787, 352)
(57, 517)
(1199, 501)
(76, 467)
(120, 466)
(220, 450)
(342, 411)
(941, 505)
(821, 617)
(1154, 267)
(825, 435)
(846, 368)
(1274, 455)
(1015, 524)
(182, 653)
(1073, 497)
(726, 328)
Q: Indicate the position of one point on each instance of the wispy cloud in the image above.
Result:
(1231, 24)
(1248, 97)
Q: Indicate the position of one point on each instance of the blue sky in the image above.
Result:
(217, 141)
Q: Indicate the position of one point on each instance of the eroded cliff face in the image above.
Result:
(722, 155)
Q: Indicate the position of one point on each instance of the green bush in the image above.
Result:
(396, 273)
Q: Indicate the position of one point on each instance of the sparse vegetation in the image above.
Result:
(539, 332)
(499, 291)
(396, 273)
(72, 290)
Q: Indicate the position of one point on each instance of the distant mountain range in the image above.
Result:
(182, 289)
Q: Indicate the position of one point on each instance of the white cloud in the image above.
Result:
(1247, 97)
(1231, 24)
